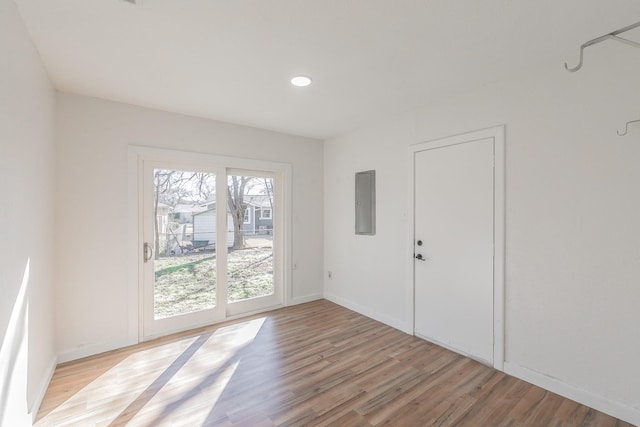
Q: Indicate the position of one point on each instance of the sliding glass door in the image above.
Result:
(211, 244)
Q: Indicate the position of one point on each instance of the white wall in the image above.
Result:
(92, 137)
(368, 271)
(27, 353)
(572, 227)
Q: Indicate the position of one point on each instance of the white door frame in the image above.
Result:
(138, 154)
(498, 135)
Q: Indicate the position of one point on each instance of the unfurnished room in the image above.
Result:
(320, 213)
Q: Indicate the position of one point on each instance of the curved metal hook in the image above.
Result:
(611, 36)
(626, 127)
(577, 67)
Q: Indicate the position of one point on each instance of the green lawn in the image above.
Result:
(185, 284)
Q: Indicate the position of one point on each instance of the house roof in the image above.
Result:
(204, 211)
(188, 208)
(258, 200)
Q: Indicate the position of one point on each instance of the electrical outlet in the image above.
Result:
(330, 274)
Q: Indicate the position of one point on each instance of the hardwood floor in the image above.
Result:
(314, 364)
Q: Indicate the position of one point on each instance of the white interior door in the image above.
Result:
(454, 246)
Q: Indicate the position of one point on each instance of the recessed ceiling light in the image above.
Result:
(301, 81)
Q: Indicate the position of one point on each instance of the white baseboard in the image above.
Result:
(304, 299)
(365, 311)
(588, 398)
(92, 350)
(34, 407)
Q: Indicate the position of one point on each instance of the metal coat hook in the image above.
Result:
(611, 36)
(626, 127)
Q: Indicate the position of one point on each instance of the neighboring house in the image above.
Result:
(162, 217)
(204, 229)
(197, 221)
(258, 217)
(175, 225)
(183, 213)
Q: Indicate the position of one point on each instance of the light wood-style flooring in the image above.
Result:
(314, 364)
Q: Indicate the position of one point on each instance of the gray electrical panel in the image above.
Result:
(366, 202)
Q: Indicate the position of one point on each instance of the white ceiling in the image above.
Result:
(231, 60)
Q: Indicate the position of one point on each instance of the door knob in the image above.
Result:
(420, 257)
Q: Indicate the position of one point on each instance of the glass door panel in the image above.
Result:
(181, 283)
(251, 278)
(184, 236)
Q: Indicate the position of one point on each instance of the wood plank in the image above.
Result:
(314, 364)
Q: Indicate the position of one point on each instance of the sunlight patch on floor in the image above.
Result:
(163, 378)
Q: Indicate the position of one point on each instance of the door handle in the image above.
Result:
(419, 257)
(147, 252)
